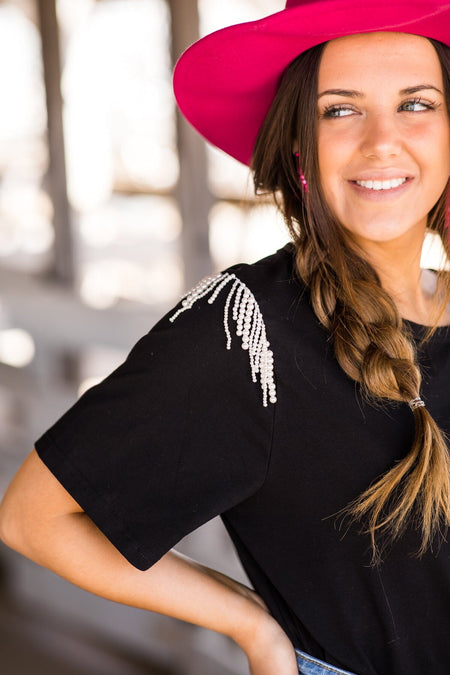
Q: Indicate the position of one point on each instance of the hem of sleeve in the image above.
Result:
(105, 517)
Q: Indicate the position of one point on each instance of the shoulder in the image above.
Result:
(272, 276)
(224, 325)
(246, 305)
(271, 283)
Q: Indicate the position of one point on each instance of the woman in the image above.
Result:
(322, 442)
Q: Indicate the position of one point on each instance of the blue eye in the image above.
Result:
(338, 111)
(417, 105)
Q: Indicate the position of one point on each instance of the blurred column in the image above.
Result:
(194, 198)
(63, 266)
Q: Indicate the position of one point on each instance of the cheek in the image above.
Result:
(447, 153)
(432, 147)
(329, 156)
(335, 152)
(331, 182)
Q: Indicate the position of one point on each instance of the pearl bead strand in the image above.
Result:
(250, 326)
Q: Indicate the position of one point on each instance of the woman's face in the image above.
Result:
(383, 134)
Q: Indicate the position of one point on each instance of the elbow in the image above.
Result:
(30, 507)
(21, 510)
(9, 528)
(15, 523)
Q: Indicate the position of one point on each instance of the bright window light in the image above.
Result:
(16, 347)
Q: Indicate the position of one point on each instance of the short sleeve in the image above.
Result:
(175, 436)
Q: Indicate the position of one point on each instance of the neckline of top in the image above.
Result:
(419, 330)
(440, 331)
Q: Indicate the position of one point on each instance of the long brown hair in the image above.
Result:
(371, 342)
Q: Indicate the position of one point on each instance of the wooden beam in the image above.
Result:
(194, 198)
(58, 319)
(63, 265)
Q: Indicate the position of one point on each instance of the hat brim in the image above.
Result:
(225, 83)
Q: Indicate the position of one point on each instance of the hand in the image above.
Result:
(271, 652)
(268, 648)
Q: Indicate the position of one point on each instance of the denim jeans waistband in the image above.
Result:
(308, 665)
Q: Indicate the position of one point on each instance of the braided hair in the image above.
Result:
(372, 344)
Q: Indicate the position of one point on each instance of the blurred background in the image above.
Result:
(110, 208)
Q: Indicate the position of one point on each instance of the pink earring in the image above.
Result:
(300, 173)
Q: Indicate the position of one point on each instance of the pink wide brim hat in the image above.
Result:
(225, 83)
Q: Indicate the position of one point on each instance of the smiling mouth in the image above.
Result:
(381, 184)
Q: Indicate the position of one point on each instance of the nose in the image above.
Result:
(382, 139)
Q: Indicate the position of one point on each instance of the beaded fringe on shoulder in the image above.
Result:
(249, 325)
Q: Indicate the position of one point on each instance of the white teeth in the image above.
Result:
(381, 184)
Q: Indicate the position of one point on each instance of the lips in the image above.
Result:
(379, 187)
(381, 184)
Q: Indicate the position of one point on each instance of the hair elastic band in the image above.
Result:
(416, 403)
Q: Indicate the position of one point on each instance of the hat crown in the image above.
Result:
(226, 82)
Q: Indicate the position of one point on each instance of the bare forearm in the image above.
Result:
(74, 548)
(40, 519)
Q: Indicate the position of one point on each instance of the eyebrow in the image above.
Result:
(348, 93)
(352, 93)
(419, 87)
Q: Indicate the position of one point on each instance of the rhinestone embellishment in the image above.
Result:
(416, 403)
(249, 325)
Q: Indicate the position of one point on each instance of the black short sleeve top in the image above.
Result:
(276, 439)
